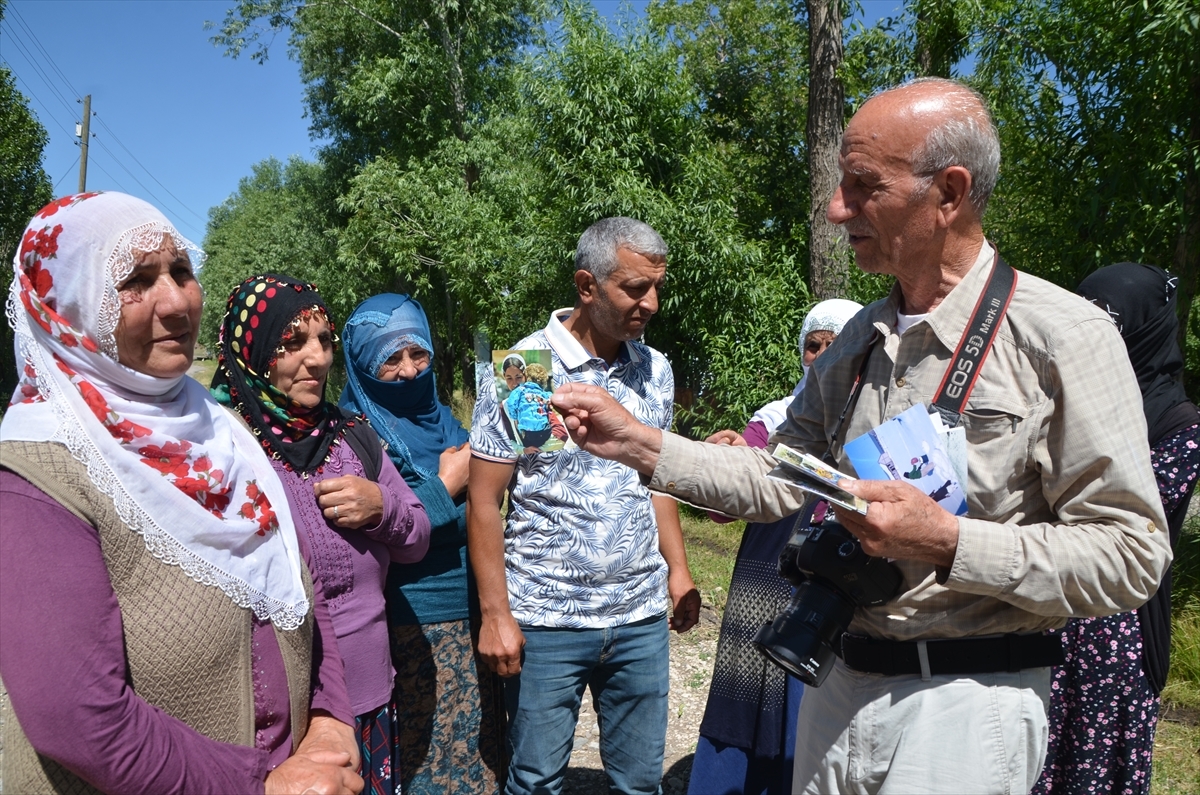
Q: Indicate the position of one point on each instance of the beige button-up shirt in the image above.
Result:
(1064, 517)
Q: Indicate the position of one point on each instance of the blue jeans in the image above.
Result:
(626, 668)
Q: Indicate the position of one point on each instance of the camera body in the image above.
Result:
(833, 577)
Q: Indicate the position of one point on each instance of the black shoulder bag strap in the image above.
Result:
(366, 445)
(978, 336)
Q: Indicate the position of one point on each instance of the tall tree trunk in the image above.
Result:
(943, 34)
(924, 54)
(827, 255)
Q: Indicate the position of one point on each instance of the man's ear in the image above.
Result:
(586, 286)
(954, 188)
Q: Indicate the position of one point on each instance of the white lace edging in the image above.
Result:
(158, 542)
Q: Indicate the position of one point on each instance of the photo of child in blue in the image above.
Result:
(528, 407)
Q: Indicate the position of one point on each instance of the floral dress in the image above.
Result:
(1103, 711)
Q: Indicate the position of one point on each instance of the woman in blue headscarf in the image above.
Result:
(449, 708)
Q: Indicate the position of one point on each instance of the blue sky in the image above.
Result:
(176, 122)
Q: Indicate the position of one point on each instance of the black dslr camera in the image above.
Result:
(833, 576)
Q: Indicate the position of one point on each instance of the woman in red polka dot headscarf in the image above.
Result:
(348, 499)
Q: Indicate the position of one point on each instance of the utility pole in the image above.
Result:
(83, 142)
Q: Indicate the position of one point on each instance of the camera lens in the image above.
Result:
(802, 638)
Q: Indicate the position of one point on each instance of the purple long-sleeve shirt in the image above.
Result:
(63, 663)
(353, 564)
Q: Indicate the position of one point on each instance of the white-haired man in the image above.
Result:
(575, 590)
(943, 688)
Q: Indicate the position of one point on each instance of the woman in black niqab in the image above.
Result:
(1104, 700)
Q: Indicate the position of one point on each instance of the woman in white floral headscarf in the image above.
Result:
(821, 325)
(156, 611)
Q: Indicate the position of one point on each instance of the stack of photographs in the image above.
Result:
(814, 476)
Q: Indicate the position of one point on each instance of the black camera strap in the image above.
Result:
(977, 339)
(968, 358)
(851, 400)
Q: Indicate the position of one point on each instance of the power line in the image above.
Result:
(100, 142)
(64, 176)
(45, 78)
(96, 162)
(45, 52)
(131, 154)
(111, 177)
(45, 107)
(28, 32)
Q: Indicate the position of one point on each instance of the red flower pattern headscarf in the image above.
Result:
(181, 471)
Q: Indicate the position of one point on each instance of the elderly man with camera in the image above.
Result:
(943, 687)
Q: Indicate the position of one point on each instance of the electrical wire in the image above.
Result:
(64, 176)
(131, 154)
(27, 31)
(41, 73)
(110, 176)
(100, 142)
(27, 90)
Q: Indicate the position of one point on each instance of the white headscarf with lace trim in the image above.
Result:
(829, 315)
(181, 471)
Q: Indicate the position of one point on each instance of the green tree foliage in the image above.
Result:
(604, 124)
(1098, 106)
(276, 222)
(23, 183)
(464, 164)
(1098, 103)
(25, 188)
(748, 60)
(390, 76)
(404, 81)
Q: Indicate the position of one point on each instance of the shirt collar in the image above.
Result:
(570, 352)
(954, 312)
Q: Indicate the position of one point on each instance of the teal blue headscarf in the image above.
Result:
(406, 414)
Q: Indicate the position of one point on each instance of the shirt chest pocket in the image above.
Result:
(997, 430)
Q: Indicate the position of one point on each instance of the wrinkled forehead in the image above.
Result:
(884, 132)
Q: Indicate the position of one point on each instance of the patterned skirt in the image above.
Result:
(1102, 712)
(747, 701)
(450, 709)
(377, 747)
(1103, 707)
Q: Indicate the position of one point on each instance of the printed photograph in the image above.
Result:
(908, 448)
(814, 476)
(524, 384)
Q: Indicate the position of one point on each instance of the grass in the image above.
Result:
(712, 549)
(1176, 759)
(1183, 685)
(1177, 744)
(202, 370)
